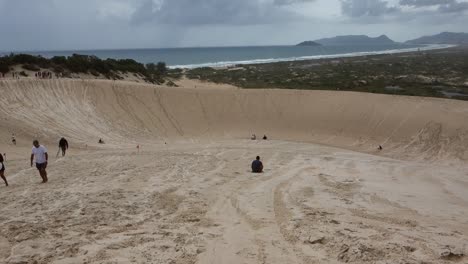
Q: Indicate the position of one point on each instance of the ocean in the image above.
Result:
(228, 56)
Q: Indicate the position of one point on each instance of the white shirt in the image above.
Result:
(39, 154)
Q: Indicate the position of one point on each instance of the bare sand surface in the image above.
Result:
(326, 196)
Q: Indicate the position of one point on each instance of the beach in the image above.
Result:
(186, 194)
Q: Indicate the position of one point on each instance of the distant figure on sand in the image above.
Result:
(265, 137)
(39, 153)
(13, 139)
(63, 145)
(2, 170)
(380, 147)
(101, 141)
(254, 137)
(257, 165)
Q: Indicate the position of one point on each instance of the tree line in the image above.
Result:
(76, 63)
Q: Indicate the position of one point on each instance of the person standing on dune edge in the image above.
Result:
(63, 145)
(39, 153)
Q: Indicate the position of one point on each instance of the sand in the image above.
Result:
(327, 194)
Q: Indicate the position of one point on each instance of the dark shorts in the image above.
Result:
(41, 166)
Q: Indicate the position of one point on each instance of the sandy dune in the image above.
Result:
(327, 195)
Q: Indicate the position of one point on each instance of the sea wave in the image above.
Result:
(221, 64)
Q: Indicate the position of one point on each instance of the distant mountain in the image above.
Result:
(355, 40)
(309, 43)
(442, 38)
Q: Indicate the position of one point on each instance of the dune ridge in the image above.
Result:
(122, 112)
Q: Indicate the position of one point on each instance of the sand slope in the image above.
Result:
(193, 200)
(407, 127)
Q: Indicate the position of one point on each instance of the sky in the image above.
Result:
(30, 25)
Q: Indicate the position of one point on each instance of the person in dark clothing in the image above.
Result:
(265, 137)
(2, 170)
(63, 145)
(257, 165)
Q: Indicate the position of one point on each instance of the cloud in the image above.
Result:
(221, 12)
(366, 8)
(291, 2)
(402, 11)
(421, 3)
(454, 7)
(444, 6)
(112, 24)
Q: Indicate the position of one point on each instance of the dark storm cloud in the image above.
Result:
(209, 12)
(366, 8)
(111, 24)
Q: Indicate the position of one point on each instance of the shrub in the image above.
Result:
(59, 60)
(84, 64)
(172, 84)
(31, 67)
(94, 73)
(78, 63)
(4, 68)
(161, 68)
(151, 67)
(58, 69)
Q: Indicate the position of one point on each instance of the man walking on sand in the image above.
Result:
(63, 145)
(39, 152)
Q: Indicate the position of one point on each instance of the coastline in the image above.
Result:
(224, 64)
(398, 71)
(427, 73)
(215, 57)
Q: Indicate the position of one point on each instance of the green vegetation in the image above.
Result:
(109, 68)
(175, 73)
(442, 73)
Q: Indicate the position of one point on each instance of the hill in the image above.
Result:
(309, 43)
(355, 40)
(442, 38)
